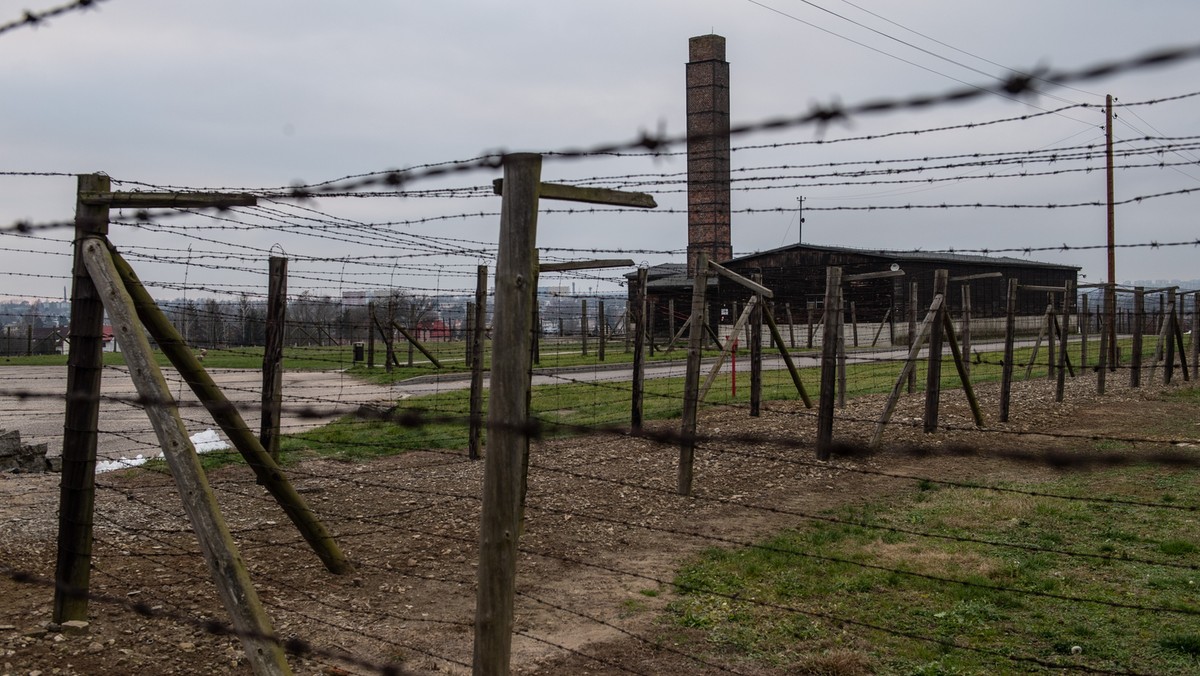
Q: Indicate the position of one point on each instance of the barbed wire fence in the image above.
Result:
(581, 502)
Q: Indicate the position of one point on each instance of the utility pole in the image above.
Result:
(1111, 296)
(800, 225)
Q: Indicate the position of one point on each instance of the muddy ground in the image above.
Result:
(603, 525)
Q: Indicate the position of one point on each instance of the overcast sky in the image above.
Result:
(273, 92)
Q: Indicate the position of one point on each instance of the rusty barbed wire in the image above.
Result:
(34, 19)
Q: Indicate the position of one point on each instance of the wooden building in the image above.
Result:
(796, 273)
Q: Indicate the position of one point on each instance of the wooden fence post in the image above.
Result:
(1136, 356)
(1195, 335)
(508, 414)
(639, 352)
(237, 592)
(370, 334)
(854, 322)
(829, 348)
(1102, 365)
(933, 379)
(965, 332)
(1169, 330)
(811, 307)
(1083, 332)
(787, 307)
(756, 321)
(468, 331)
(841, 349)
(1051, 336)
(1010, 337)
(671, 316)
(1064, 340)
(84, 364)
(912, 329)
(691, 386)
(272, 373)
(601, 330)
(583, 324)
(474, 443)
(651, 311)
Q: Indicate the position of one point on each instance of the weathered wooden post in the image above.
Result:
(84, 365)
(1169, 330)
(1083, 332)
(370, 334)
(841, 349)
(965, 331)
(93, 201)
(1051, 334)
(508, 414)
(468, 331)
(639, 352)
(1195, 335)
(1101, 367)
(272, 373)
(237, 592)
(691, 386)
(583, 325)
(912, 329)
(1135, 358)
(507, 459)
(474, 444)
(625, 321)
(1010, 337)
(671, 317)
(601, 330)
(1064, 340)
(650, 312)
(787, 308)
(933, 379)
(756, 321)
(854, 322)
(827, 396)
(811, 306)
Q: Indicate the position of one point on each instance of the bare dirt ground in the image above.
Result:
(603, 526)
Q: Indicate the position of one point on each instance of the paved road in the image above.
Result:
(125, 431)
(427, 385)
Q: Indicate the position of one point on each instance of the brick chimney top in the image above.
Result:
(706, 48)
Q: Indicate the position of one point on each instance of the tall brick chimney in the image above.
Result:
(708, 150)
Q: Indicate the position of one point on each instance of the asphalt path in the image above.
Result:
(623, 372)
(32, 401)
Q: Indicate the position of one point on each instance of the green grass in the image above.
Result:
(765, 603)
(294, 358)
(593, 404)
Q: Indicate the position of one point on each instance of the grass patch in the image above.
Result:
(766, 603)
